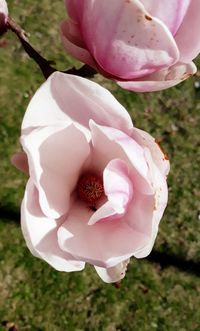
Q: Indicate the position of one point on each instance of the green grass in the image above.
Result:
(38, 298)
(35, 296)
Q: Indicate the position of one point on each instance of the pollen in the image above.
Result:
(90, 189)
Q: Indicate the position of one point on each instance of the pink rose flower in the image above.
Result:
(97, 185)
(144, 45)
(3, 15)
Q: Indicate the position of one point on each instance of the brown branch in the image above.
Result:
(84, 71)
(45, 65)
(13, 26)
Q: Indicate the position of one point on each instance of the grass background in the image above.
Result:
(160, 293)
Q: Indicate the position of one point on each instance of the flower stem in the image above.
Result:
(45, 65)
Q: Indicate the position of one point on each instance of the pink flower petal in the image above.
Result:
(144, 139)
(117, 185)
(187, 37)
(161, 197)
(74, 8)
(170, 12)
(20, 161)
(114, 274)
(139, 215)
(118, 190)
(103, 244)
(146, 220)
(40, 234)
(66, 99)
(55, 164)
(162, 79)
(135, 43)
(70, 36)
(105, 212)
(109, 143)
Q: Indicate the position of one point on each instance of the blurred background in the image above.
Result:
(159, 293)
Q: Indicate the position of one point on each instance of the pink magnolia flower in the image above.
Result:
(97, 185)
(3, 14)
(144, 45)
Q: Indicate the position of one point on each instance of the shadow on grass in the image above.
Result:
(168, 260)
(10, 213)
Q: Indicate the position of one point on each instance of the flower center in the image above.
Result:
(90, 188)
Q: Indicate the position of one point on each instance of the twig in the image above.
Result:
(45, 65)
(84, 71)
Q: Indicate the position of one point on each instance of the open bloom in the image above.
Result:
(97, 187)
(144, 45)
(3, 15)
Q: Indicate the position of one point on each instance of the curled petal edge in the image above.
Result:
(162, 79)
(113, 274)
